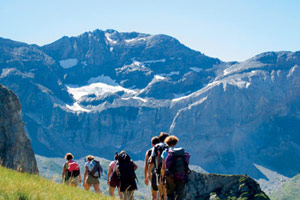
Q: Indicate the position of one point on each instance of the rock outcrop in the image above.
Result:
(218, 187)
(15, 148)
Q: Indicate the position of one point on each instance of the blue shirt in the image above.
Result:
(153, 153)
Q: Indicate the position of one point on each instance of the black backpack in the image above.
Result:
(126, 167)
(159, 149)
(97, 168)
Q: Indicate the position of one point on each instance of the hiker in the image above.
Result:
(113, 180)
(92, 173)
(126, 170)
(175, 168)
(71, 171)
(154, 179)
(156, 162)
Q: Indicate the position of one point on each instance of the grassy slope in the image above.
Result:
(289, 191)
(16, 185)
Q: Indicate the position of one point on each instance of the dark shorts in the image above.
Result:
(127, 185)
(114, 182)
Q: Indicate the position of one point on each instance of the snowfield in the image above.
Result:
(97, 89)
(69, 63)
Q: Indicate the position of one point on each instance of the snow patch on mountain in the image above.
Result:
(135, 40)
(158, 77)
(141, 99)
(68, 63)
(169, 74)
(97, 89)
(292, 70)
(77, 108)
(136, 98)
(236, 82)
(198, 92)
(178, 96)
(189, 107)
(6, 72)
(103, 79)
(134, 66)
(108, 38)
(243, 80)
(155, 61)
(250, 64)
(196, 69)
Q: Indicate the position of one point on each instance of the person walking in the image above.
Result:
(126, 170)
(152, 176)
(156, 163)
(175, 168)
(113, 180)
(71, 171)
(92, 174)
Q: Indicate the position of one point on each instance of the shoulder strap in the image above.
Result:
(115, 166)
(95, 168)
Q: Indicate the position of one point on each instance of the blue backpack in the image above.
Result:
(97, 168)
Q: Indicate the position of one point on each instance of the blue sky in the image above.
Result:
(227, 29)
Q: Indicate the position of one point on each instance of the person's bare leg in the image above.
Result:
(97, 187)
(87, 186)
(128, 195)
(120, 193)
(112, 191)
(131, 195)
(154, 194)
(161, 192)
(164, 192)
(125, 195)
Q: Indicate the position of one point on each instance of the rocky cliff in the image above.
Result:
(15, 148)
(223, 187)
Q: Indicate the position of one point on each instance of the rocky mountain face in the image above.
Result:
(15, 148)
(106, 91)
(222, 187)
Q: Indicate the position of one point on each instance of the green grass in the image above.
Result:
(23, 186)
(289, 190)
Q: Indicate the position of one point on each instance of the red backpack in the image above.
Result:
(73, 168)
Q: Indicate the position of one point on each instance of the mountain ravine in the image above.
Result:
(105, 91)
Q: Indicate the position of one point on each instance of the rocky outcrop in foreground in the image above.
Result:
(219, 187)
(15, 148)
